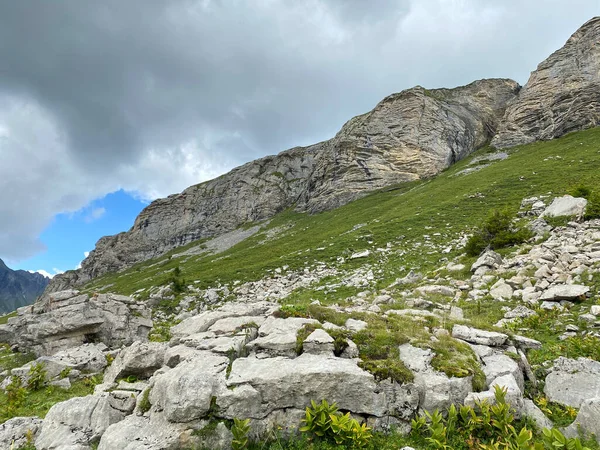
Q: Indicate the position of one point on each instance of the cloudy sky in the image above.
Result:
(105, 105)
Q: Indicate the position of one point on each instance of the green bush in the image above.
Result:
(325, 422)
(15, 395)
(37, 377)
(485, 427)
(592, 210)
(498, 231)
(176, 281)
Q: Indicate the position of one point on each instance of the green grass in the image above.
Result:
(446, 204)
(4, 319)
(10, 360)
(37, 403)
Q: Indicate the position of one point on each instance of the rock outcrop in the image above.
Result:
(408, 136)
(561, 96)
(67, 319)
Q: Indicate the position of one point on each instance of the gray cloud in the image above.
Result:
(154, 96)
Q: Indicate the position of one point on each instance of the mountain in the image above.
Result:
(409, 136)
(19, 288)
(561, 96)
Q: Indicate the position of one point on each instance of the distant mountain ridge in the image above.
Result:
(411, 135)
(19, 288)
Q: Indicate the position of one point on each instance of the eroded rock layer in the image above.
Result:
(561, 96)
(407, 136)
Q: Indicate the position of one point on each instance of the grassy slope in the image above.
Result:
(403, 214)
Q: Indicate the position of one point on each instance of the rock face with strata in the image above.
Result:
(561, 96)
(66, 319)
(408, 136)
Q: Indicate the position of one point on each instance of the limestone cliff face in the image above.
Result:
(562, 95)
(411, 135)
(407, 136)
(253, 192)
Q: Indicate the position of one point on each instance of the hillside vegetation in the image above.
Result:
(440, 209)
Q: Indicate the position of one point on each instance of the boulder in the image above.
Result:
(501, 290)
(476, 336)
(86, 357)
(140, 359)
(63, 320)
(319, 342)
(566, 206)
(202, 322)
(436, 389)
(514, 395)
(569, 292)
(520, 312)
(525, 343)
(281, 383)
(143, 433)
(185, 392)
(434, 289)
(76, 423)
(355, 325)
(572, 381)
(277, 337)
(531, 410)
(497, 365)
(588, 419)
(489, 259)
(18, 432)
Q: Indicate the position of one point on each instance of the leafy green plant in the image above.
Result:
(37, 376)
(486, 427)
(240, 431)
(325, 422)
(65, 372)
(15, 395)
(498, 231)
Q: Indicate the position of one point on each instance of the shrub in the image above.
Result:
(497, 232)
(15, 395)
(486, 427)
(325, 422)
(37, 377)
(176, 281)
(592, 210)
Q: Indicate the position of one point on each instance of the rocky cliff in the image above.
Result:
(19, 288)
(562, 95)
(408, 136)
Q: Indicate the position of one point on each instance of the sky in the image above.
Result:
(105, 106)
